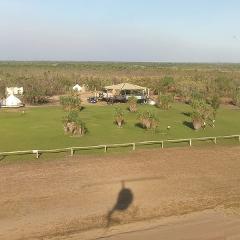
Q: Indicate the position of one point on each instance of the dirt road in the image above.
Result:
(62, 198)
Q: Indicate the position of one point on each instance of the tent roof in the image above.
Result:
(124, 86)
(12, 101)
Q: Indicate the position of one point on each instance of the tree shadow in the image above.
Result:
(139, 125)
(124, 200)
(188, 124)
(82, 108)
(188, 114)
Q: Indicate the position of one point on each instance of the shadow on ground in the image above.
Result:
(124, 200)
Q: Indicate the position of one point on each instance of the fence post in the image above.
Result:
(134, 146)
(162, 144)
(215, 140)
(72, 151)
(190, 142)
(105, 148)
(36, 152)
(239, 138)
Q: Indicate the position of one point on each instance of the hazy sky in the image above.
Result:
(120, 30)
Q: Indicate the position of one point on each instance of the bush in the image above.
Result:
(35, 99)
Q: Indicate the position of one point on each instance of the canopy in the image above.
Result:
(125, 86)
(13, 101)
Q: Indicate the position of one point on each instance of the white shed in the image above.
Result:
(14, 91)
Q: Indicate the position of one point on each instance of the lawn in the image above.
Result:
(41, 127)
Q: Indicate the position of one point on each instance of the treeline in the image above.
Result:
(45, 79)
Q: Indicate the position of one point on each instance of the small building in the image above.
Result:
(14, 91)
(79, 88)
(11, 102)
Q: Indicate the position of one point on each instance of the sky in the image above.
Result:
(120, 30)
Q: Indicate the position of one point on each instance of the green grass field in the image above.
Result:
(42, 128)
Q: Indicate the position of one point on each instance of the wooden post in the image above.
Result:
(239, 138)
(105, 148)
(162, 144)
(72, 151)
(215, 140)
(190, 142)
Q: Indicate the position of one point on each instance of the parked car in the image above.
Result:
(92, 100)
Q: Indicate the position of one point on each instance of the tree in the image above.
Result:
(71, 102)
(166, 84)
(119, 117)
(164, 101)
(215, 104)
(73, 125)
(236, 97)
(132, 101)
(201, 113)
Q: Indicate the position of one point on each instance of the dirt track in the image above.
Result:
(60, 198)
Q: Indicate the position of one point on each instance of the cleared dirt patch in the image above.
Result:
(49, 199)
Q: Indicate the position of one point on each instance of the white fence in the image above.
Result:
(107, 146)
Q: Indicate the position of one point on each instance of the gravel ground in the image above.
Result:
(60, 198)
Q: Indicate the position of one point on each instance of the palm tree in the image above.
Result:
(201, 113)
(132, 104)
(71, 102)
(164, 101)
(215, 104)
(73, 124)
(119, 117)
(197, 120)
(148, 120)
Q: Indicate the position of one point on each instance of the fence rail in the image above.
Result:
(106, 146)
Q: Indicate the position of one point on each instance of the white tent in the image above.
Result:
(13, 101)
(79, 88)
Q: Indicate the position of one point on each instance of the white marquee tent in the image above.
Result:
(13, 101)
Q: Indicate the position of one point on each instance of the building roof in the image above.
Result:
(125, 86)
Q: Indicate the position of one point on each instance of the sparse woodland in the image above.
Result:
(45, 79)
